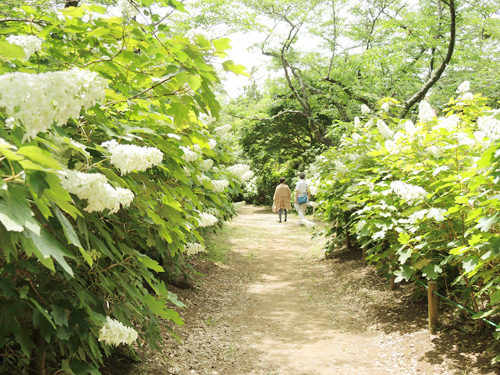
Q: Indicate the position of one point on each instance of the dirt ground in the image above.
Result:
(274, 306)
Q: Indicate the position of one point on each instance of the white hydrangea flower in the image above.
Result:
(398, 135)
(187, 172)
(467, 96)
(212, 143)
(410, 193)
(463, 87)
(384, 130)
(434, 151)
(205, 165)
(425, 112)
(313, 189)
(313, 204)
(129, 158)
(365, 109)
(189, 155)
(223, 130)
(339, 166)
(464, 139)
(202, 178)
(94, 187)
(127, 8)
(213, 211)
(29, 43)
(219, 185)
(356, 122)
(369, 124)
(385, 106)
(38, 100)
(193, 248)
(410, 127)
(115, 333)
(480, 137)
(449, 123)
(390, 145)
(207, 220)
(242, 171)
(489, 126)
(356, 137)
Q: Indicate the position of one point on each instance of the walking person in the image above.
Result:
(302, 196)
(282, 197)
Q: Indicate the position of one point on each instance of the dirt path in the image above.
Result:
(274, 307)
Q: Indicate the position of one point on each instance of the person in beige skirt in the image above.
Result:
(282, 196)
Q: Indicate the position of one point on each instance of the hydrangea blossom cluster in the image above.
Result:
(213, 211)
(212, 143)
(95, 188)
(115, 333)
(408, 192)
(189, 155)
(129, 158)
(489, 126)
(449, 123)
(425, 112)
(205, 165)
(127, 8)
(219, 185)
(463, 87)
(193, 248)
(242, 171)
(37, 100)
(202, 178)
(384, 130)
(223, 130)
(365, 109)
(464, 139)
(29, 43)
(207, 220)
(410, 127)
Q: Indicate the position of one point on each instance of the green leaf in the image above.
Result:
(68, 229)
(50, 247)
(404, 273)
(60, 315)
(404, 238)
(495, 297)
(405, 254)
(229, 65)
(11, 51)
(470, 263)
(485, 223)
(431, 271)
(151, 264)
(39, 156)
(15, 213)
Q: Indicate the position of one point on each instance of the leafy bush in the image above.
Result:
(422, 200)
(108, 177)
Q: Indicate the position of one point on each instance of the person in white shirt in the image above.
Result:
(301, 192)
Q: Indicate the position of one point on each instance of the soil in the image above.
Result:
(273, 305)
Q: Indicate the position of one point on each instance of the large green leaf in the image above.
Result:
(50, 247)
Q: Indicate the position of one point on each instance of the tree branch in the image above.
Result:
(437, 74)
